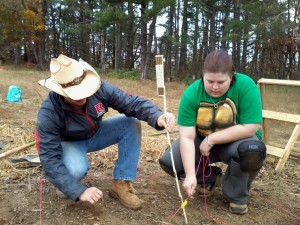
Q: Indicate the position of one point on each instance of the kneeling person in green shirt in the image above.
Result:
(219, 117)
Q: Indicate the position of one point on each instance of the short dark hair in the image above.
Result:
(219, 61)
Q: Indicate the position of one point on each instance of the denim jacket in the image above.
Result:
(57, 121)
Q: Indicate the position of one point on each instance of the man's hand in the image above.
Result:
(91, 195)
(166, 120)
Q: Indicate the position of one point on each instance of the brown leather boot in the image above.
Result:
(122, 190)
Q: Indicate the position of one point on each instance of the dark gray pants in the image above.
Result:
(236, 183)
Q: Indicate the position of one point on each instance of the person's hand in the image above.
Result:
(205, 147)
(166, 120)
(189, 185)
(91, 195)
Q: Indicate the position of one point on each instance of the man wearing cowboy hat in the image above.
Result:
(70, 124)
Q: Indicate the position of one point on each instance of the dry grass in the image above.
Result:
(32, 92)
(17, 120)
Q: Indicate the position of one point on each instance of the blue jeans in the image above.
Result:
(121, 130)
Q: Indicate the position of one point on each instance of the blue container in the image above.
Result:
(14, 94)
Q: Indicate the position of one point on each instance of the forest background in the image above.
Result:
(263, 36)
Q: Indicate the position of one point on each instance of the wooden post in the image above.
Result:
(288, 148)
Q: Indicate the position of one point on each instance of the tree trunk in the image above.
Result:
(195, 65)
(130, 35)
(84, 32)
(245, 47)
(212, 29)
(224, 44)
(168, 56)
(117, 45)
(102, 52)
(204, 45)
(184, 40)
(149, 46)
(143, 41)
(177, 38)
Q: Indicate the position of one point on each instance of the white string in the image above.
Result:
(172, 159)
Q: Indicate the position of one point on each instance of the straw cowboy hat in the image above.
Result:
(71, 78)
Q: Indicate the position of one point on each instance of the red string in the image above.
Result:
(209, 217)
(150, 176)
(204, 164)
(277, 206)
(41, 181)
(173, 216)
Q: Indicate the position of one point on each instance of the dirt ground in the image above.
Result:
(27, 198)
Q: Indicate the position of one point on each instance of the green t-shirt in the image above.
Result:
(243, 96)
